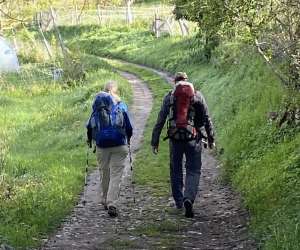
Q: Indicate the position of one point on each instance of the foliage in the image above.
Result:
(273, 26)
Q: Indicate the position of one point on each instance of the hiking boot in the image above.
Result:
(176, 205)
(188, 205)
(103, 203)
(112, 211)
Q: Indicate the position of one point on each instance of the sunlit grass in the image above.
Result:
(42, 150)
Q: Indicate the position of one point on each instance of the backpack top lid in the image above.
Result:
(185, 85)
(103, 100)
(183, 93)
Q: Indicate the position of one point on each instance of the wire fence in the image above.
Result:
(160, 19)
(32, 72)
(107, 15)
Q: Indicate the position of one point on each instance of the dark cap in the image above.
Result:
(179, 76)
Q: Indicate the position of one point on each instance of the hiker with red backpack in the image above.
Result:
(109, 126)
(187, 113)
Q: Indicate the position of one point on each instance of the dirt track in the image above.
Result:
(219, 222)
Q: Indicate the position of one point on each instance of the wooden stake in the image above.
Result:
(45, 41)
(63, 48)
(156, 24)
(99, 14)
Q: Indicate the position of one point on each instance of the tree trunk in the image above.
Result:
(129, 16)
(63, 48)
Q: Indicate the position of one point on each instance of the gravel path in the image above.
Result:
(89, 226)
(219, 223)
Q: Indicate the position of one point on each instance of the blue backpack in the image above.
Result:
(107, 122)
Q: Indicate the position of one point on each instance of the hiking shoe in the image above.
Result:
(112, 211)
(104, 204)
(189, 213)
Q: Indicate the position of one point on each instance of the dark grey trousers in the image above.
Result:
(192, 152)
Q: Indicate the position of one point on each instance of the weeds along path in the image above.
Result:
(219, 223)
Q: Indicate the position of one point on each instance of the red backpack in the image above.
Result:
(182, 113)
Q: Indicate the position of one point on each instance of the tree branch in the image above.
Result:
(277, 73)
(81, 11)
(10, 17)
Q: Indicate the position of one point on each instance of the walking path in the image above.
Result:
(219, 222)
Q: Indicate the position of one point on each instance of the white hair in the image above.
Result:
(109, 85)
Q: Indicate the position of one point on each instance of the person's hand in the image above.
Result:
(211, 145)
(89, 143)
(155, 150)
(211, 142)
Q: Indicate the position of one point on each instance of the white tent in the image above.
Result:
(8, 57)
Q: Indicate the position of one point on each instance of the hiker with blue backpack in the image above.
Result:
(109, 126)
(187, 112)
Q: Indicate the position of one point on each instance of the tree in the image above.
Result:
(273, 26)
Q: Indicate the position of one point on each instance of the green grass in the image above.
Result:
(42, 150)
(260, 160)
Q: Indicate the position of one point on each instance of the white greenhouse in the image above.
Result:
(8, 57)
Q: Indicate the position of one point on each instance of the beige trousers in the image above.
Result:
(111, 162)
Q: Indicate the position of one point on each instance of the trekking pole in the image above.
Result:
(131, 168)
(85, 176)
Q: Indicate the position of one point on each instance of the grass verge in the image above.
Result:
(42, 150)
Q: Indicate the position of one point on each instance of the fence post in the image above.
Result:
(99, 14)
(129, 16)
(187, 31)
(76, 14)
(0, 21)
(72, 17)
(47, 46)
(156, 24)
(182, 27)
(63, 48)
(15, 40)
(169, 26)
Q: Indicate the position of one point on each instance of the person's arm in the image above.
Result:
(206, 120)
(128, 126)
(160, 122)
(89, 132)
